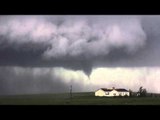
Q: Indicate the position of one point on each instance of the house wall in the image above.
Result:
(100, 93)
(111, 94)
(124, 93)
(116, 93)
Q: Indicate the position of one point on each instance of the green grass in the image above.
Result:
(87, 98)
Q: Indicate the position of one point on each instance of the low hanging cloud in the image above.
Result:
(78, 39)
(22, 80)
(46, 54)
(75, 37)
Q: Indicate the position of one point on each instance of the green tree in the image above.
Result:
(130, 93)
(142, 92)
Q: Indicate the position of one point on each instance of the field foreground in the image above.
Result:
(87, 98)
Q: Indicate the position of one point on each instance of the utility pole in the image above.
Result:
(71, 91)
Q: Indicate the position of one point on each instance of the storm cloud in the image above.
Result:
(45, 54)
(60, 39)
(20, 80)
(25, 80)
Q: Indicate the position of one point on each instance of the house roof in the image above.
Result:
(119, 90)
(105, 89)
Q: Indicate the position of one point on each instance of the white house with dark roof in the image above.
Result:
(112, 92)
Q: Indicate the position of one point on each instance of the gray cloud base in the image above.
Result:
(73, 42)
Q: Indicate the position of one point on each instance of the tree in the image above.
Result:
(142, 92)
(130, 93)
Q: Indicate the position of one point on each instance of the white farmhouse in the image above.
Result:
(111, 92)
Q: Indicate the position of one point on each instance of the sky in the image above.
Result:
(48, 53)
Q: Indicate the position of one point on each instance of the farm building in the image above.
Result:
(111, 92)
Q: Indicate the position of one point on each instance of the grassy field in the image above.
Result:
(77, 99)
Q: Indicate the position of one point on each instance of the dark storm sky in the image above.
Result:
(76, 43)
